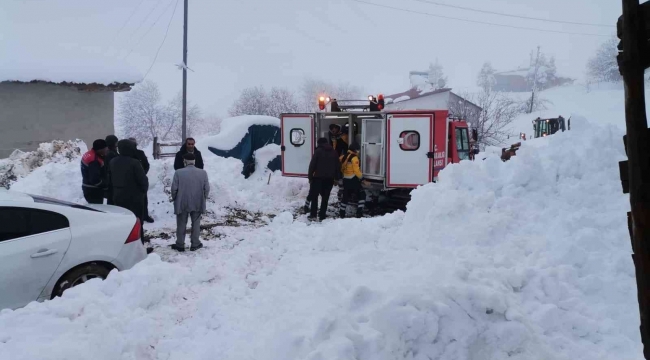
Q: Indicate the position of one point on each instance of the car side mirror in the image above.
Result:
(476, 151)
(474, 134)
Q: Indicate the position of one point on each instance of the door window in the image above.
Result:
(20, 222)
(297, 137)
(409, 140)
(373, 132)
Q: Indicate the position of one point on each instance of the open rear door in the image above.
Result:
(297, 143)
(410, 149)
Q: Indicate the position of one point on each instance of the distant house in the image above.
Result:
(516, 81)
(44, 103)
(511, 81)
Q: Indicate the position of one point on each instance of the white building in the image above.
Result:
(57, 96)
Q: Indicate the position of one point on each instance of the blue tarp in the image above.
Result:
(257, 137)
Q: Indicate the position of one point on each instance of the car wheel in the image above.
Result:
(79, 276)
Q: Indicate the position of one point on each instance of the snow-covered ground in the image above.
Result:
(602, 103)
(528, 259)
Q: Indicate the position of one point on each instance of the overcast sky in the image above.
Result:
(234, 44)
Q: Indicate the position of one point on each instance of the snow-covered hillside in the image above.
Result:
(600, 103)
(528, 259)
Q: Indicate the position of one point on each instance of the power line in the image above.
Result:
(150, 27)
(127, 20)
(511, 15)
(478, 22)
(163, 41)
(146, 18)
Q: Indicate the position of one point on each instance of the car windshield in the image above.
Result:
(46, 200)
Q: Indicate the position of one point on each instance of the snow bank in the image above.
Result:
(21, 61)
(234, 129)
(528, 259)
(43, 163)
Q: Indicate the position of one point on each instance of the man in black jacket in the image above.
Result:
(111, 142)
(323, 172)
(188, 147)
(130, 183)
(142, 158)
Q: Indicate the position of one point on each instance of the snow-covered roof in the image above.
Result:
(518, 72)
(235, 128)
(414, 93)
(64, 65)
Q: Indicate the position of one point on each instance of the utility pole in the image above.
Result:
(185, 75)
(532, 97)
(633, 29)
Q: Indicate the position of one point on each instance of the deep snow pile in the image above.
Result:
(45, 161)
(528, 259)
(234, 129)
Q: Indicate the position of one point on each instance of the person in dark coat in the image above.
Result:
(111, 143)
(93, 173)
(323, 171)
(130, 183)
(142, 158)
(188, 148)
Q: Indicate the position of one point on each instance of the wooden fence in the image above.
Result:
(158, 151)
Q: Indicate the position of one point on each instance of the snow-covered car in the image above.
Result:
(48, 245)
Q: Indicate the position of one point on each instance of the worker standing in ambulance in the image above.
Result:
(352, 181)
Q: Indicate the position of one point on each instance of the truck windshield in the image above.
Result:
(542, 128)
(462, 143)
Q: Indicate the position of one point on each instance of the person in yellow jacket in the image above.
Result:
(352, 181)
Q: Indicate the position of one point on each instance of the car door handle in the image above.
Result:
(44, 252)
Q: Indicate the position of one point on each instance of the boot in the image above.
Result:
(342, 214)
(359, 213)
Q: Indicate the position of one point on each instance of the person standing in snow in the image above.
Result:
(142, 158)
(190, 190)
(130, 184)
(323, 171)
(93, 173)
(334, 139)
(188, 148)
(352, 181)
(111, 143)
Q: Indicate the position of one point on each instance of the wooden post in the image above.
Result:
(637, 142)
(156, 148)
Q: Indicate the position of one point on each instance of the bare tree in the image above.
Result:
(143, 117)
(492, 122)
(602, 67)
(141, 114)
(174, 111)
(257, 101)
(311, 89)
(436, 77)
(282, 101)
(251, 101)
(486, 79)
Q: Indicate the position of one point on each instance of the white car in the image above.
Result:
(48, 246)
